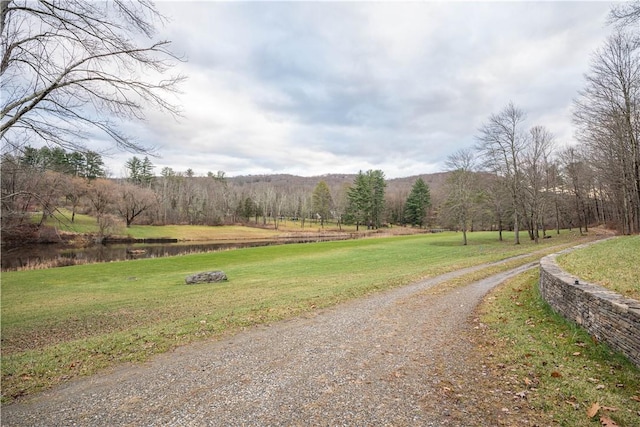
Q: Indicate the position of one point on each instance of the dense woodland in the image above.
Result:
(515, 177)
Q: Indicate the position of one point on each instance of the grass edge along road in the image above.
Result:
(62, 323)
(546, 369)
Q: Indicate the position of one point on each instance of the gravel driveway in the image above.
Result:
(396, 358)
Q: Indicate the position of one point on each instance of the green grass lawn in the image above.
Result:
(64, 322)
(61, 220)
(613, 264)
(87, 224)
(199, 232)
(550, 366)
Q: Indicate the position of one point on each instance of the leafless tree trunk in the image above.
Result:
(462, 192)
(534, 165)
(579, 179)
(132, 201)
(501, 143)
(607, 114)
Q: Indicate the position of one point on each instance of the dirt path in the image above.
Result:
(396, 358)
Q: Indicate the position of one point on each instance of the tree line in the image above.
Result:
(531, 183)
(45, 180)
(472, 197)
(514, 178)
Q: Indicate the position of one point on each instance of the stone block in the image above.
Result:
(206, 277)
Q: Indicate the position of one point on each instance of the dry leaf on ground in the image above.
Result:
(593, 410)
(607, 422)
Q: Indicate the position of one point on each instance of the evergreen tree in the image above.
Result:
(377, 185)
(134, 169)
(77, 164)
(366, 199)
(93, 166)
(359, 199)
(31, 157)
(140, 171)
(83, 164)
(147, 171)
(417, 203)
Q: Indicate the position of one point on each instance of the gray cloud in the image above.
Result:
(314, 88)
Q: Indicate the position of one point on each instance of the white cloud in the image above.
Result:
(315, 88)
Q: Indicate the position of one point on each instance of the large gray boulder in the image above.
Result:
(206, 277)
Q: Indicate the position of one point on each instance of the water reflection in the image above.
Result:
(54, 255)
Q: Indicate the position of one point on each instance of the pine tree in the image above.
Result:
(417, 203)
(366, 199)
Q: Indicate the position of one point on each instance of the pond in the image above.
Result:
(56, 255)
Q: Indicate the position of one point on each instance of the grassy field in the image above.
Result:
(87, 224)
(62, 221)
(549, 366)
(70, 321)
(200, 232)
(607, 264)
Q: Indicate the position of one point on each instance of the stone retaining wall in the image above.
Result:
(606, 315)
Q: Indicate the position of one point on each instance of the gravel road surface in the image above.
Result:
(397, 358)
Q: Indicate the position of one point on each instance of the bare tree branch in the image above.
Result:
(625, 15)
(69, 66)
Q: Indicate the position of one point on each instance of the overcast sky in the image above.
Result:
(319, 88)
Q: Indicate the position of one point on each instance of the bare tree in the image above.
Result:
(501, 142)
(26, 189)
(462, 192)
(132, 201)
(554, 189)
(101, 196)
(535, 159)
(321, 201)
(75, 190)
(578, 177)
(607, 114)
(497, 201)
(71, 67)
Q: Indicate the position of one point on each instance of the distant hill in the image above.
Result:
(395, 187)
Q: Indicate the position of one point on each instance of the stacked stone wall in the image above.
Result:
(606, 315)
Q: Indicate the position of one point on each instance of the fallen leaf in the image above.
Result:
(609, 408)
(556, 374)
(593, 410)
(577, 353)
(599, 386)
(527, 381)
(607, 422)
(636, 398)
